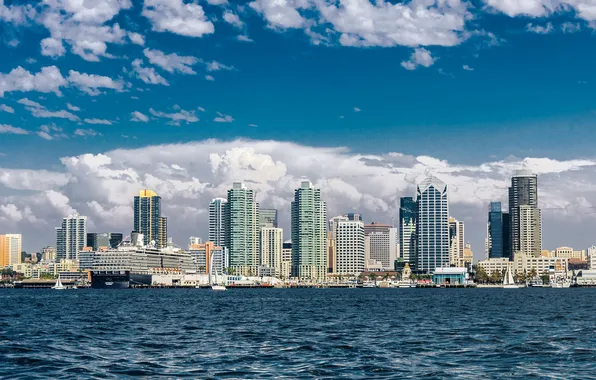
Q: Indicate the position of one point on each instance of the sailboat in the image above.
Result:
(214, 284)
(508, 282)
(58, 285)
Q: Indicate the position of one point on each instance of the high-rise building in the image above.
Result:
(381, 244)
(309, 238)
(162, 232)
(497, 232)
(286, 260)
(241, 231)
(10, 250)
(267, 218)
(48, 254)
(530, 230)
(217, 221)
(271, 249)
(105, 239)
(456, 242)
(147, 214)
(71, 237)
(331, 262)
(408, 211)
(433, 225)
(350, 247)
(353, 216)
(523, 192)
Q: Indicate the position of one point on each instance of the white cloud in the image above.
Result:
(49, 79)
(420, 57)
(356, 109)
(253, 125)
(86, 132)
(138, 116)
(171, 62)
(17, 14)
(201, 109)
(539, 29)
(91, 83)
(9, 129)
(176, 117)
(147, 74)
(221, 118)
(570, 27)
(244, 38)
(51, 132)
(232, 19)
(5, 108)
(533, 8)
(175, 16)
(370, 184)
(97, 121)
(217, 66)
(209, 78)
(72, 108)
(39, 111)
(281, 13)
(467, 68)
(52, 47)
(217, 2)
(136, 38)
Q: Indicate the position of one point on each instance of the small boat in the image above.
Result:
(58, 285)
(508, 282)
(218, 287)
(214, 285)
(368, 284)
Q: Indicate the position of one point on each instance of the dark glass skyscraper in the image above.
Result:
(407, 230)
(105, 239)
(147, 209)
(496, 231)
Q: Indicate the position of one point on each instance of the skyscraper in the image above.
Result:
(381, 244)
(309, 214)
(353, 216)
(216, 221)
(267, 217)
(530, 230)
(433, 225)
(271, 249)
(105, 239)
(162, 232)
(71, 237)
(456, 242)
(408, 210)
(350, 249)
(10, 249)
(147, 214)
(497, 238)
(523, 192)
(241, 231)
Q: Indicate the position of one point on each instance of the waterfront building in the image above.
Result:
(105, 239)
(468, 257)
(148, 220)
(456, 242)
(350, 248)
(530, 230)
(162, 233)
(217, 221)
(497, 236)
(267, 218)
(381, 244)
(450, 276)
(48, 254)
(271, 250)
(286, 260)
(331, 261)
(592, 257)
(309, 233)
(523, 196)
(10, 249)
(433, 225)
(408, 210)
(241, 231)
(71, 237)
(525, 264)
(569, 253)
(201, 256)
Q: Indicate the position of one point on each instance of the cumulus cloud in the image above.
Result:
(5, 108)
(51, 132)
(209, 78)
(138, 116)
(217, 66)
(9, 129)
(221, 118)
(97, 121)
(244, 38)
(72, 108)
(176, 117)
(147, 74)
(136, 38)
(49, 79)
(175, 16)
(97, 184)
(539, 29)
(467, 68)
(52, 47)
(420, 57)
(17, 14)
(39, 111)
(570, 27)
(232, 19)
(171, 62)
(86, 132)
(91, 83)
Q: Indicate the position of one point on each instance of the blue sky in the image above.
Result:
(467, 83)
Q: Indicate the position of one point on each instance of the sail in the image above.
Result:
(510, 279)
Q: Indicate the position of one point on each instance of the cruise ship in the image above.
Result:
(133, 265)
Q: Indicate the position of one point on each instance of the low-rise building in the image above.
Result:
(450, 275)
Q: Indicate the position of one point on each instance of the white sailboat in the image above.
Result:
(214, 284)
(58, 285)
(508, 282)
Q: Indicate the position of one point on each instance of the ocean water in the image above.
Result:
(299, 333)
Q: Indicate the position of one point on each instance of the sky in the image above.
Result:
(102, 98)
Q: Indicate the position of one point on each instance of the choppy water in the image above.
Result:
(307, 333)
